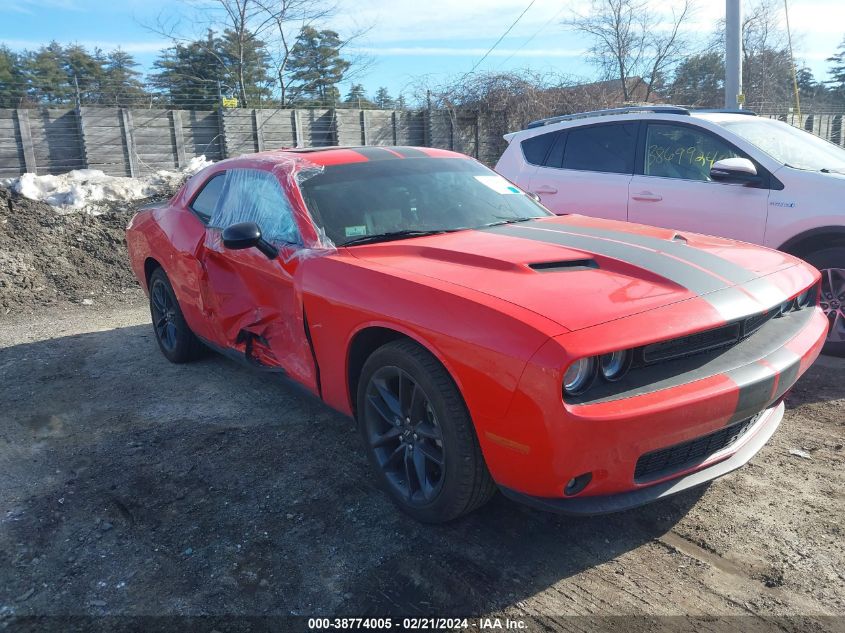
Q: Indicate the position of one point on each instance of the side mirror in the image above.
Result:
(735, 170)
(534, 196)
(247, 235)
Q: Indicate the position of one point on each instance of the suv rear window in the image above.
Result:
(535, 148)
(606, 148)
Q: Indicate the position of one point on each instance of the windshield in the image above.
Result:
(789, 145)
(411, 196)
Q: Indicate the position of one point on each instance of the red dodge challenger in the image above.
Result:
(579, 365)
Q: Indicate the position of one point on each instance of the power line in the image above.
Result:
(530, 39)
(504, 35)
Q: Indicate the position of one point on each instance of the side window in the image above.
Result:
(253, 195)
(608, 148)
(680, 151)
(535, 148)
(205, 201)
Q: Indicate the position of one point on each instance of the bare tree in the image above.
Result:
(286, 19)
(507, 101)
(271, 25)
(235, 18)
(632, 43)
(238, 16)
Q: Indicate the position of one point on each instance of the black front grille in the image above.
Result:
(693, 344)
(722, 336)
(672, 459)
(754, 323)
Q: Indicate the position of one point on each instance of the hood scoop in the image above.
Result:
(564, 266)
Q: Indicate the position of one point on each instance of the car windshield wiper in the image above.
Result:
(835, 170)
(512, 221)
(392, 235)
(399, 235)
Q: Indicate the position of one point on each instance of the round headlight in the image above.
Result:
(803, 300)
(579, 376)
(614, 365)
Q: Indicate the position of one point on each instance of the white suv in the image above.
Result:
(730, 174)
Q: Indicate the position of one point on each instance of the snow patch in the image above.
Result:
(89, 189)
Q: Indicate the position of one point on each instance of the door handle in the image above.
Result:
(647, 196)
(545, 189)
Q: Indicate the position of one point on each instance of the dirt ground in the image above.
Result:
(130, 486)
(52, 259)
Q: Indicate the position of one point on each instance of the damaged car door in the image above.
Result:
(255, 304)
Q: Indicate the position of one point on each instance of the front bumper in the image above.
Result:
(542, 443)
(753, 441)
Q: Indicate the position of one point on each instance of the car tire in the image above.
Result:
(833, 298)
(175, 339)
(434, 421)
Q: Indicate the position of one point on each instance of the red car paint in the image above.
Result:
(504, 331)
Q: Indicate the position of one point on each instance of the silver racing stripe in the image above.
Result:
(762, 384)
(761, 288)
(730, 302)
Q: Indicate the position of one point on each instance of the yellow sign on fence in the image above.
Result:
(230, 103)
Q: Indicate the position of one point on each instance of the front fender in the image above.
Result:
(482, 344)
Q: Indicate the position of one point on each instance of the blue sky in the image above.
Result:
(409, 42)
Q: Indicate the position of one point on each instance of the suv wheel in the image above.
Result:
(831, 263)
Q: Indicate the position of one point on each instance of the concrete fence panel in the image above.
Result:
(12, 159)
(137, 141)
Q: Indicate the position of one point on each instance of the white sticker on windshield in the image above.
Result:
(497, 184)
(352, 231)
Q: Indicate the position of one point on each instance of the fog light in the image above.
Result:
(577, 484)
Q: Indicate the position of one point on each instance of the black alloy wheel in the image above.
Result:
(418, 434)
(175, 339)
(405, 435)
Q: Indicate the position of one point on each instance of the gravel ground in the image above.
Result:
(130, 486)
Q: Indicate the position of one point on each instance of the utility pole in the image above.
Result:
(78, 95)
(792, 61)
(734, 99)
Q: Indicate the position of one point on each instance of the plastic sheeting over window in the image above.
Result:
(253, 195)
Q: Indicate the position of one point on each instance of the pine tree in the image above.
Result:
(12, 79)
(357, 97)
(188, 75)
(699, 81)
(246, 65)
(122, 84)
(47, 78)
(383, 100)
(837, 70)
(316, 66)
(84, 70)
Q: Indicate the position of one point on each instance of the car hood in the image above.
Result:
(580, 271)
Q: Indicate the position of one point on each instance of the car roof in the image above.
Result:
(722, 117)
(340, 155)
(654, 111)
